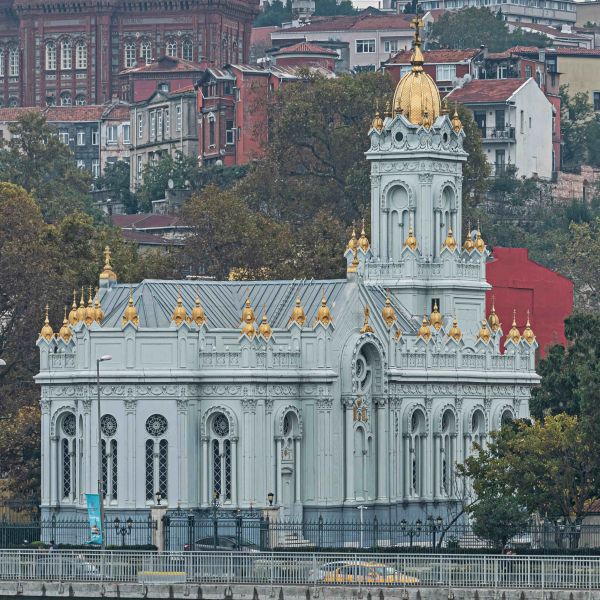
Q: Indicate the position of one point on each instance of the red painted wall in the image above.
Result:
(522, 284)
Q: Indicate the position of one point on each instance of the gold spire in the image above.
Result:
(98, 309)
(81, 310)
(468, 245)
(198, 315)
(455, 333)
(247, 312)
(107, 272)
(388, 110)
(298, 315)
(363, 240)
(353, 266)
(388, 313)
(450, 242)
(130, 314)
(323, 313)
(90, 311)
(484, 333)
(424, 331)
(494, 319)
(417, 96)
(264, 328)
(179, 315)
(456, 122)
(46, 331)
(352, 242)
(528, 334)
(366, 328)
(411, 240)
(398, 335)
(377, 122)
(514, 334)
(479, 243)
(435, 319)
(65, 331)
(73, 320)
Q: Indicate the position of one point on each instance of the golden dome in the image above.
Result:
(90, 311)
(469, 245)
(247, 312)
(298, 313)
(248, 327)
(264, 328)
(435, 319)
(81, 310)
(366, 328)
(528, 334)
(455, 333)
(388, 313)
(456, 122)
(179, 315)
(73, 320)
(46, 331)
(424, 330)
(484, 333)
(514, 334)
(479, 243)
(353, 266)
(65, 331)
(450, 242)
(363, 240)
(323, 313)
(377, 122)
(198, 315)
(99, 311)
(417, 96)
(494, 319)
(107, 272)
(411, 240)
(130, 314)
(352, 242)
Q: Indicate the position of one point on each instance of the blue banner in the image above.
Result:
(93, 505)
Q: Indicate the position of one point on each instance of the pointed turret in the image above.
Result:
(46, 332)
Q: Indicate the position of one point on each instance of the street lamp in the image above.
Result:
(123, 530)
(270, 497)
(158, 497)
(412, 529)
(434, 527)
(103, 358)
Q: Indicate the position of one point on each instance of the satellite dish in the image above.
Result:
(170, 184)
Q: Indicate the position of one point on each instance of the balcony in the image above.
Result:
(497, 134)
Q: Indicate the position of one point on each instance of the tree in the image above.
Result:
(35, 159)
(498, 519)
(116, 181)
(327, 8)
(274, 13)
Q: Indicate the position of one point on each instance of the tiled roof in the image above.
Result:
(13, 114)
(558, 51)
(305, 48)
(117, 112)
(547, 30)
(146, 239)
(164, 64)
(483, 91)
(186, 89)
(434, 57)
(145, 221)
(364, 22)
(75, 114)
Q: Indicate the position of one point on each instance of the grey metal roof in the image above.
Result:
(377, 297)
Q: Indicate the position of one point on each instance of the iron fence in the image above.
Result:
(306, 569)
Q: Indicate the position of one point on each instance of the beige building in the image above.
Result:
(580, 70)
(587, 12)
(165, 124)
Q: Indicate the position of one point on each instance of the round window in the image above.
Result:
(156, 425)
(68, 424)
(220, 425)
(108, 425)
(399, 136)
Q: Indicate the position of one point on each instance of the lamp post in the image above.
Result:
(123, 530)
(412, 529)
(215, 508)
(158, 497)
(100, 490)
(434, 527)
(270, 497)
(362, 508)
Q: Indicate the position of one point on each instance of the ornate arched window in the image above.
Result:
(13, 102)
(146, 52)
(418, 429)
(478, 427)
(66, 55)
(108, 425)
(187, 50)
(171, 48)
(157, 457)
(80, 100)
(447, 452)
(507, 417)
(67, 433)
(66, 99)
(129, 55)
(81, 57)
(50, 56)
(13, 62)
(220, 455)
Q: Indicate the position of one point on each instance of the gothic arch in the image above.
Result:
(375, 348)
(281, 416)
(438, 417)
(468, 418)
(58, 413)
(440, 196)
(500, 413)
(219, 409)
(408, 417)
(386, 192)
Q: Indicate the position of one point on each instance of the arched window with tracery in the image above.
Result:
(146, 52)
(110, 465)
(157, 457)
(171, 48)
(13, 62)
(220, 456)
(66, 55)
(187, 50)
(68, 449)
(66, 99)
(129, 55)
(478, 427)
(418, 430)
(80, 100)
(447, 452)
(50, 56)
(81, 57)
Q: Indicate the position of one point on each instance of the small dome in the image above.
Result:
(264, 328)
(514, 333)
(46, 331)
(484, 333)
(469, 246)
(65, 331)
(179, 315)
(90, 311)
(363, 240)
(424, 330)
(528, 334)
(81, 310)
(479, 243)
(247, 312)
(494, 320)
(130, 314)
(352, 242)
(435, 319)
(450, 242)
(99, 312)
(377, 122)
(455, 333)
(297, 314)
(323, 313)
(198, 315)
(388, 313)
(411, 240)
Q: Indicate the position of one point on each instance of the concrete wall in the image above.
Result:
(580, 73)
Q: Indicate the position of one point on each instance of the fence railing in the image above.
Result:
(306, 569)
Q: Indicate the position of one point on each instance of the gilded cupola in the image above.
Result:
(479, 243)
(73, 320)
(514, 333)
(107, 272)
(455, 333)
(417, 96)
(366, 328)
(81, 309)
(528, 334)
(90, 311)
(130, 315)
(484, 333)
(363, 240)
(456, 122)
(298, 315)
(377, 122)
(46, 331)
(425, 330)
(450, 242)
(388, 313)
(435, 319)
(352, 242)
(247, 312)
(353, 266)
(198, 315)
(264, 328)
(469, 246)
(179, 315)
(99, 311)
(494, 319)
(65, 331)
(323, 313)
(411, 240)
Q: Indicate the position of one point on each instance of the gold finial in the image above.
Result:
(494, 319)
(411, 240)
(455, 333)
(445, 109)
(98, 309)
(90, 311)
(130, 314)
(398, 335)
(81, 310)
(363, 240)
(484, 333)
(479, 243)
(469, 245)
(514, 334)
(179, 315)
(388, 313)
(426, 120)
(46, 331)
(352, 242)
(73, 320)
(198, 315)
(65, 331)
(456, 122)
(450, 242)
(323, 313)
(417, 59)
(528, 334)
(353, 266)
(435, 319)
(107, 272)
(388, 110)
(366, 328)
(247, 312)
(425, 330)
(377, 122)
(264, 328)
(298, 315)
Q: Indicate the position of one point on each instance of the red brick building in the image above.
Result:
(521, 284)
(66, 53)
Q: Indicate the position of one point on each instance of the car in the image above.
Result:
(222, 543)
(367, 573)
(325, 570)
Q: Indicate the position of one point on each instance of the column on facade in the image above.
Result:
(384, 250)
(205, 492)
(406, 492)
(46, 451)
(429, 460)
(382, 454)
(130, 485)
(297, 471)
(55, 470)
(87, 447)
(349, 435)
(437, 225)
(437, 465)
(279, 490)
(182, 451)
(234, 476)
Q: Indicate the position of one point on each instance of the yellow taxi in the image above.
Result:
(367, 573)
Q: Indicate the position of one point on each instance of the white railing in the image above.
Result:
(305, 569)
